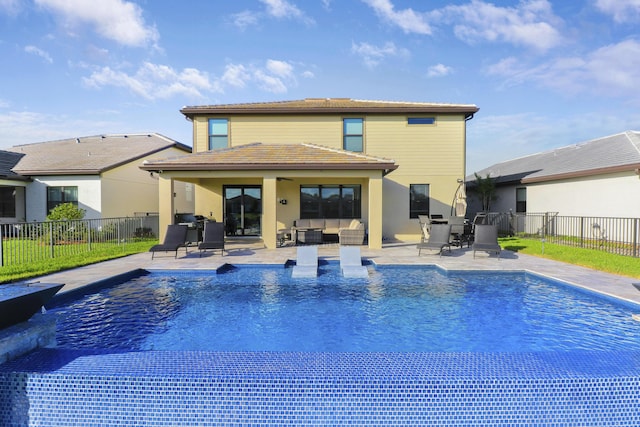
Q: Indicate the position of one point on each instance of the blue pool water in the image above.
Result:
(398, 309)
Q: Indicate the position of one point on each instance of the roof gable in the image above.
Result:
(272, 156)
(89, 155)
(619, 152)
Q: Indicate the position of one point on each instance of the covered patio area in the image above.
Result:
(259, 190)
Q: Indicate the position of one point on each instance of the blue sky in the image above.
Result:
(543, 73)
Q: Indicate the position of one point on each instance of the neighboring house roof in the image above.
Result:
(257, 155)
(8, 160)
(91, 155)
(331, 106)
(614, 153)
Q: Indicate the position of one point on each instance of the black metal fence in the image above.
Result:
(26, 242)
(616, 235)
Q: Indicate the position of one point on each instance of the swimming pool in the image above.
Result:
(124, 387)
(398, 309)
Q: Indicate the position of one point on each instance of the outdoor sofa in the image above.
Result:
(347, 231)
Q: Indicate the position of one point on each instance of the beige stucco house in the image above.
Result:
(265, 165)
(99, 174)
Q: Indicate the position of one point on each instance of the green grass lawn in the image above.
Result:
(591, 258)
(101, 252)
(598, 260)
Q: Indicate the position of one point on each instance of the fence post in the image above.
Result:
(89, 234)
(51, 239)
(635, 237)
(1, 245)
(582, 232)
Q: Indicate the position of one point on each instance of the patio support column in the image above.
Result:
(269, 220)
(165, 204)
(375, 212)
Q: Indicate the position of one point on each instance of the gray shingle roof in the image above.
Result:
(619, 152)
(8, 160)
(90, 155)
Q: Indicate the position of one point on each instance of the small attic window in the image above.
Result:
(421, 121)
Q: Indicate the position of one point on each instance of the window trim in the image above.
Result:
(519, 203)
(421, 121)
(357, 201)
(413, 212)
(211, 135)
(345, 135)
(63, 200)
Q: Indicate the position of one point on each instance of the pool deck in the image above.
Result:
(253, 252)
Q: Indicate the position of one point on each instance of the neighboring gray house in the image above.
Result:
(598, 178)
(99, 174)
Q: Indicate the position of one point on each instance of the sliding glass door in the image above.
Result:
(243, 210)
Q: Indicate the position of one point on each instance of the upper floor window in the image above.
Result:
(353, 134)
(218, 133)
(60, 195)
(421, 120)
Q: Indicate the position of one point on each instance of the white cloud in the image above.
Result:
(39, 52)
(439, 70)
(235, 75)
(283, 9)
(612, 70)
(620, 10)
(26, 127)
(117, 20)
(408, 20)
(153, 81)
(531, 23)
(245, 19)
(276, 76)
(373, 55)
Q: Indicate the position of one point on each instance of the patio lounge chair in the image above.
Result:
(439, 238)
(306, 262)
(351, 262)
(213, 237)
(458, 231)
(174, 239)
(486, 239)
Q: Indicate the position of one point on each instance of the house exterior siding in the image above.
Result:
(610, 195)
(127, 190)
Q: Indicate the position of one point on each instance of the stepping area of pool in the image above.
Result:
(107, 388)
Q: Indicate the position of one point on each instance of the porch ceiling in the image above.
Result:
(259, 156)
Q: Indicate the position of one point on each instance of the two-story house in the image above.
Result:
(263, 165)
